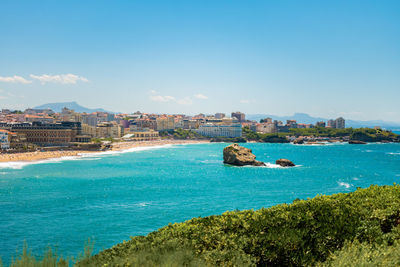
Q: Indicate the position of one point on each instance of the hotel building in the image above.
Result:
(218, 130)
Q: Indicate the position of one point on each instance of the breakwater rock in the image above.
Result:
(285, 163)
(240, 156)
(357, 142)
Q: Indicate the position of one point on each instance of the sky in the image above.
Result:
(324, 58)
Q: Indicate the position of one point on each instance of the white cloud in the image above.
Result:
(160, 98)
(185, 101)
(201, 96)
(167, 98)
(14, 79)
(60, 78)
(245, 101)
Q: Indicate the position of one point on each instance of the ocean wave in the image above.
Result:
(208, 161)
(21, 164)
(393, 153)
(80, 156)
(346, 185)
(269, 166)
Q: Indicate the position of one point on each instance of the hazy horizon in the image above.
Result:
(326, 59)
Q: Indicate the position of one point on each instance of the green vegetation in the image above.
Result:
(365, 254)
(50, 258)
(265, 138)
(181, 134)
(361, 134)
(321, 132)
(229, 140)
(339, 230)
(373, 135)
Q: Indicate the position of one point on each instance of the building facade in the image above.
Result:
(46, 134)
(216, 130)
(4, 139)
(142, 136)
(239, 115)
(266, 128)
(340, 123)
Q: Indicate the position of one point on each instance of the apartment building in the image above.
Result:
(4, 139)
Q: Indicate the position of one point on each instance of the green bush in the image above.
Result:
(306, 232)
(365, 254)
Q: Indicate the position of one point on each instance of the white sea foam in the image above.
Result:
(208, 161)
(271, 166)
(393, 153)
(81, 156)
(21, 164)
(143, 204)
(346, 185)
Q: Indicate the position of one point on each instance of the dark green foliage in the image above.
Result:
(372, 135)
(181, 134)
(365, 254)
(50, 259)
(274, 138)
(361, 134)
(306, 232)
(265, 138)
(187, 134)
(228, 140)
(321, 132)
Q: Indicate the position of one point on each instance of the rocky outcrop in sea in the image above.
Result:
(285, 163)
(240, 156)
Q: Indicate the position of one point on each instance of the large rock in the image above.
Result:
(240, 156)
(357, 142)
(285, 163)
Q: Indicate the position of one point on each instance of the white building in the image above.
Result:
(218, 130)
(4, 139)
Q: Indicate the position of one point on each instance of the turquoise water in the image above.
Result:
(114, 196)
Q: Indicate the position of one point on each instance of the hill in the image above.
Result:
(57, 107)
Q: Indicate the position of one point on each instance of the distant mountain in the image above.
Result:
(57, 107)
(305, 118)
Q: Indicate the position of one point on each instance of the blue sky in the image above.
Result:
(325, 58)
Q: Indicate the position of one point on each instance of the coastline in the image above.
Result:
(118, 146)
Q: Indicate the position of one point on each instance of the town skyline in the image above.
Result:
(300, 116)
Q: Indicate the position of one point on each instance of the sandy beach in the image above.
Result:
(118, 146)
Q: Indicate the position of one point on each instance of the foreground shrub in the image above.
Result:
(306, 232)
(365, 254)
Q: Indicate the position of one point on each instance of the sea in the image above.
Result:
(111, 196)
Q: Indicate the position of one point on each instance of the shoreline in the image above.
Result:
(118, 146)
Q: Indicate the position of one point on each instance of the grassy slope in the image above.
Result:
(325, 230)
